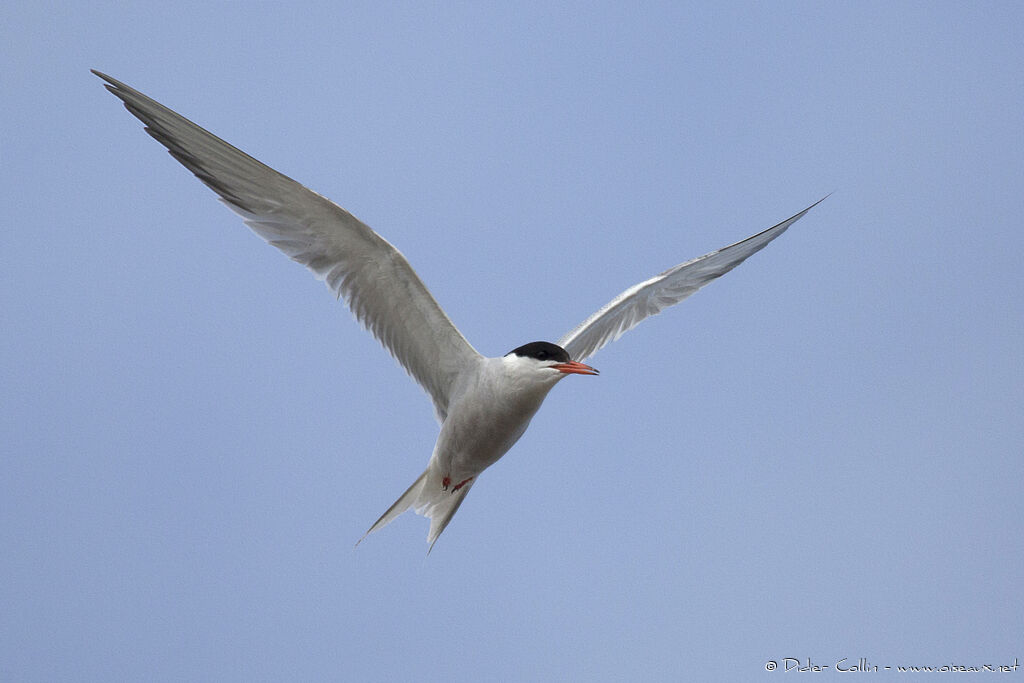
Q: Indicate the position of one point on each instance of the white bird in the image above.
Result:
(482, 404)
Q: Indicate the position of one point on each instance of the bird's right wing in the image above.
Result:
(357, 264)
(652, 296)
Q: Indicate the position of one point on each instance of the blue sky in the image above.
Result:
(818, 456)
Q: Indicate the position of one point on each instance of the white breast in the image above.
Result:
(492, 409)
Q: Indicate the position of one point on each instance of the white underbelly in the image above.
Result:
(474, 438)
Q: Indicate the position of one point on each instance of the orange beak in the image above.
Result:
(574, 368)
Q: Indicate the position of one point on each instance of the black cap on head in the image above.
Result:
(542, 350)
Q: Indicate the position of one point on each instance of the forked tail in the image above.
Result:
(428, 497)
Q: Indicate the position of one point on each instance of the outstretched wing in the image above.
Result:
(357, 264)
(652, 296)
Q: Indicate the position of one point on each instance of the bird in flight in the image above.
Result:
(482, 404)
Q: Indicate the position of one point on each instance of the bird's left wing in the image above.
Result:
(652, 296)
(357, 264)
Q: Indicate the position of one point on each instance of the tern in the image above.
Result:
(483, 404)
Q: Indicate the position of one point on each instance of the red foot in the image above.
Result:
(447, 481)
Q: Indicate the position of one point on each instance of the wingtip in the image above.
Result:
(803, 213)
(821, 200)
(112, 84)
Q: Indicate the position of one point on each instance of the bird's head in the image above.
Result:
(546, 356)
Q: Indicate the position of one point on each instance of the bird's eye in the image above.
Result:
(542, 355)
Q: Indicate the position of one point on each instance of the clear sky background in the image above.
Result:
(818, 456)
